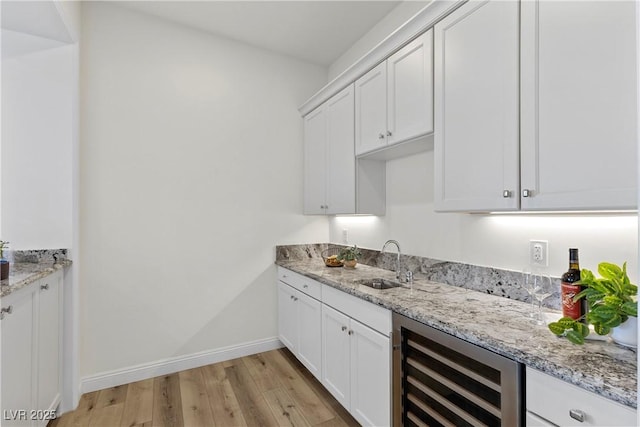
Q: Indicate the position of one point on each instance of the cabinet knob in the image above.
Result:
(5, 310)
(305, 286)
(350, 332)
(381, 136)
(506, 194)
(295, 298)
(388, 133)
(45, 287)
(290, 296)
(577, 415)
(526, 193)
(344, 328)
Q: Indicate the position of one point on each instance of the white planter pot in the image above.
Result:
(627, 333)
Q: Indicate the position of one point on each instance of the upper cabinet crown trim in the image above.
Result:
(419, 23)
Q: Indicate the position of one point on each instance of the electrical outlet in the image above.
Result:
(345, 236)
(539, 253)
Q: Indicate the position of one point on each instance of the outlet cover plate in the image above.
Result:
(539, 253)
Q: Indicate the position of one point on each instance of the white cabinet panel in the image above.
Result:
(315, 134)
(371, 110)
(476, 108)
(18, 342)
(410, 90)
(341, 169)
(335, 355)
(310, 333)
(49, 342)
(553, 399)
(579, 110)
(287, 317)
(370, 376)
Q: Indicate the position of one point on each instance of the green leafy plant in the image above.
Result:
(611, 300)
(349, 254)
(3, 245)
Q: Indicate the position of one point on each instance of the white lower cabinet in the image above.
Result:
(18, 333)
(356, 367)
(31, 352)
(551, 402)
(299, 326)
(343, 340)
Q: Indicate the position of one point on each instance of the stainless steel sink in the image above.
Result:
(378, 283)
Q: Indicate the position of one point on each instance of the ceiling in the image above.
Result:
(313, 31)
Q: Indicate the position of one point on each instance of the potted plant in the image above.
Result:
(349, 256)
(4, 263)
(612, 306)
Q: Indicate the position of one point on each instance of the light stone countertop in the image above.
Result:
(498, 324)
(22, 274)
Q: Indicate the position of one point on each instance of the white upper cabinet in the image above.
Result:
(535, 109)
(315, 135)
(329, 159)
(410, 90)
(371, 110)
(394, 101)
(476, 108)
(579, 110)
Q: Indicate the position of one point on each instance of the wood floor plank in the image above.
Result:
(254, 408)
(112, 396)
(224, 404)
(342, 416)
(167, 402)
(107, 416)
(195, 403)
(81, 416)
(264, 377)
(307, 401)
(284, 409)
(138, 407)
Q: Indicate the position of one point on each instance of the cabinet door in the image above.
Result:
(315, 134)
(410, 90)
(579, 110)
(476, 108)
(287, 317)
(341, 175)
(371, 110)
(49, 342)
(18, 379)
(370, 376)
(335, 354)
(310, 333)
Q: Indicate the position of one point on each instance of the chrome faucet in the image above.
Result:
(394, 242)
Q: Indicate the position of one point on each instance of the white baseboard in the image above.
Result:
(175, 364)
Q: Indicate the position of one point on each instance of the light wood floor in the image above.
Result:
(266, 389)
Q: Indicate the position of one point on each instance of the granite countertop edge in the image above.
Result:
(24, 274)
(532, 345)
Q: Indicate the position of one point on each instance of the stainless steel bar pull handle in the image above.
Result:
(526, 193)
(506, 194)
(381, 136)
(389, 133)
(45, 287)
(577, 415)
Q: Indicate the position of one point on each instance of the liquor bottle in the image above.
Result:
(570, 289)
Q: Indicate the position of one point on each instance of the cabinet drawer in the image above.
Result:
(301, 283)
(552, 399)
(375, 317)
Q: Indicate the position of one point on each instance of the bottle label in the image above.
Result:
(570, 308)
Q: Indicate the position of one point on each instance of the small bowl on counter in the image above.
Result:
(330, 257)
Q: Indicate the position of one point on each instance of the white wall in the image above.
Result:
(37, 136)
(191, 173)
(387, 25)
(489, 240)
